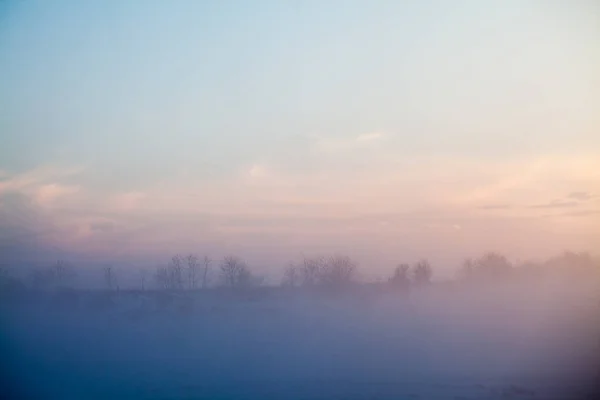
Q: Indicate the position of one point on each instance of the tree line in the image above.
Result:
(192, 272)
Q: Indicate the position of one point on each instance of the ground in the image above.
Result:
(498, 343)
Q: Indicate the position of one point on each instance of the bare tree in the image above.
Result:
(175, 272)
(400, 278)
(422, 273)
(62, 273)
(467, 269)
(339, 270)
(171, 277)
(495, 265)
(575, 265)
(59, 274)
(110, 278)
(193, 267)
(143, 279)
(206, 262)
(161, 276)
(490, 266)
(291, 276)
(235, 273)
(310, 270)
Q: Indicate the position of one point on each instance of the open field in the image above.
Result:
(501, 341)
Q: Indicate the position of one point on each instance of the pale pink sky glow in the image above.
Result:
(386, 132)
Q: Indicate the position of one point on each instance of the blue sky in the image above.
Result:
(269, 128)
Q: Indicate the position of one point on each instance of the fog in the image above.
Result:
(514, 338)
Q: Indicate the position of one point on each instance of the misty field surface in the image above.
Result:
(445, 341)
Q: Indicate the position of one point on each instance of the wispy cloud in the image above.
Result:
(581, 213)
(495, 207)
(126, 202)
(527, 181)
(48, 194)
(556, 204)
(428, 200)
(38, 177)
(580, 196)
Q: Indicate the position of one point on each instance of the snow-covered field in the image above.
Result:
(446, 342)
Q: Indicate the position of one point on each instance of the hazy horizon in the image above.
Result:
(390, 131)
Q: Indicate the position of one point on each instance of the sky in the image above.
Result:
(385, 130)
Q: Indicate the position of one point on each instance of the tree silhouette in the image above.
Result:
(400, 278)
(62, 273)
(161, 276)
(206, 263)
(310, 270)
(422, 273)
(339, 270)
(110, 278)
(490, 266)
(572, 264)
(291, 276)
(235, 273)
(143, 279)
(176, 266)
(192, 269)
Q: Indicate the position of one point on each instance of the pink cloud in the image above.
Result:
(49, 194)
(124, 202)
